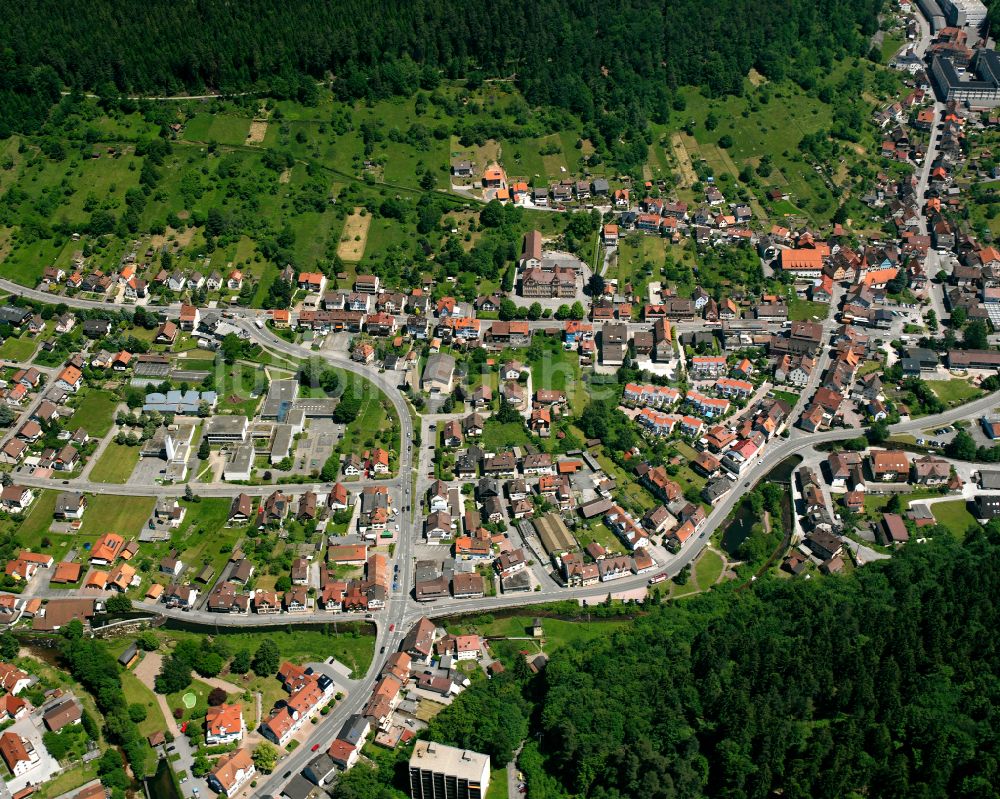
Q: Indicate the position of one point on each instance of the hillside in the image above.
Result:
(578, 55)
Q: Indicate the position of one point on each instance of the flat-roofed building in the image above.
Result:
(446, 772)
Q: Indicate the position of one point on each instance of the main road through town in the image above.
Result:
(401, 609)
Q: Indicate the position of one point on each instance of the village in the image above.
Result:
(401, 459)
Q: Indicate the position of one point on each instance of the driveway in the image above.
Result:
(146, 671)
(31, 728)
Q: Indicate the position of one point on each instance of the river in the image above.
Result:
(742, 523)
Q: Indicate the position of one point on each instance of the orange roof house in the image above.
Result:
(107, 548)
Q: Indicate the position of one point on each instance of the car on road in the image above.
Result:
(315, 747)
(286, 775)
(382, 651)
(392, 628)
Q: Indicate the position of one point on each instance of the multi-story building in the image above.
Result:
(444, 772)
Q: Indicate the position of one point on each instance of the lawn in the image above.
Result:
(498, 784)
(500, 437)
(641, 500)
(123, 515)
(599, 532)
(200, 690)
(787, 396)
(557, 633)
(95, 412)
(558, 369)
(18, 349)
(708, 568)
(954, 392)
(377, 423)
(36, 525)
(804, 310)
(202, 539)
(116, 464)
(137, 693)
(67, 781)
(955, 516)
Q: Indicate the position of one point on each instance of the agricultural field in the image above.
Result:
(355, 235)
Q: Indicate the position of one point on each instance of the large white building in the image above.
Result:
(444, 772)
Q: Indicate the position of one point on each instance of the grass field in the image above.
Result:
(954, 392)
(374, 423)
(116, 464)
(708, 568)
(640, 499)
(137, 693)
(559, 370)
(18, 349)
(220, 128)
(500, 437)
(115, 514)
(805, 310)
(557, 633)
(95, 412)
(38, 520)
(200, 691)
(955, 516)
(788, 396)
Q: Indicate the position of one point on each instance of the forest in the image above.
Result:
(615, 67)
(883, 683)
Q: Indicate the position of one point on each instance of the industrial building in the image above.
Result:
(979, 87)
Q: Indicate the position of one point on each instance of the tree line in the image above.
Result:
(881, 683)
(615, 68)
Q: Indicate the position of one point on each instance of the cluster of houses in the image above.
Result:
(714, 219)
(851, 477)
(135, 280)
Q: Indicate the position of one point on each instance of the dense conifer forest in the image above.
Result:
(616, 63)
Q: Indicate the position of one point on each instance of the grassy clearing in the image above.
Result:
(355, 235)
(18, 349)
(639, 499)
(954, 392)
(116, 464)
(557, 633)
(788, 396)
(805, 310)
(122, 515)
(137, 693)
(220, 128)
(499, 437)
(708, 568)
(955, 516)
(96, 412)
(36, 525)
